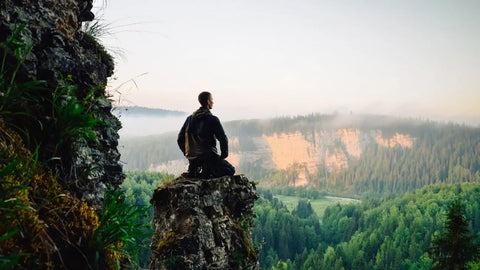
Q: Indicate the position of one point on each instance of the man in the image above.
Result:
(197, 140)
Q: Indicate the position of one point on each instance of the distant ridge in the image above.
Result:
(340, 153)
(144, 111)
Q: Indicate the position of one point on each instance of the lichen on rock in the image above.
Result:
(204, 224)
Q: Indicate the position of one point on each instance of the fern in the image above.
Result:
(71, 118)
(119, 227)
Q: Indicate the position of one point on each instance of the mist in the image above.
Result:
(138, 126)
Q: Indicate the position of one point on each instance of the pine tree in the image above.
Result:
(304, 209)
(455, 248)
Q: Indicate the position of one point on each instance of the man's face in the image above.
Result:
(210, 103)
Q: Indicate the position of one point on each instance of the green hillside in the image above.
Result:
(395, 233)
(441, 154)
(389, 233)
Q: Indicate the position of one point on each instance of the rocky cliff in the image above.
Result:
(204, 224)
(53, 50)
(58, 138)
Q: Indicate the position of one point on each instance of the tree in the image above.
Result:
(455, 248)
(359, 261)
(331, 260)
(304, 209)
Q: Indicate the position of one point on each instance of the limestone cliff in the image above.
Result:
(306, 153)
(204, 224)
(305, 156)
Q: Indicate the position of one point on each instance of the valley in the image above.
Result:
(318, 205)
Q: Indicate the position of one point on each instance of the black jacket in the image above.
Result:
(197, 138)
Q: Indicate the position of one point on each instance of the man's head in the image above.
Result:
(206, 100)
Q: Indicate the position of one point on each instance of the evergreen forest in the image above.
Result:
(392, 232)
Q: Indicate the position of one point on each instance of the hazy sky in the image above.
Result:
(268, 58)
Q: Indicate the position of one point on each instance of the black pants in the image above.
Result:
(209, 167)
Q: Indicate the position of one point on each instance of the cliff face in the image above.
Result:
(204, 224)
(62, 55)
(303, 154)
(58, 138)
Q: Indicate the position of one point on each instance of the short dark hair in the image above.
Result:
(204, 97)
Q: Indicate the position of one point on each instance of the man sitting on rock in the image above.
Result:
(197, 140)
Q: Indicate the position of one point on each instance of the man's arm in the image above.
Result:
(181, 137)
(221, 137)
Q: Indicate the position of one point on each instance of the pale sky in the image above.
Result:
(267, 58)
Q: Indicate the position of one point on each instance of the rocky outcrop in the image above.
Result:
(62, 54)
(58, 138)
(204, 224)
